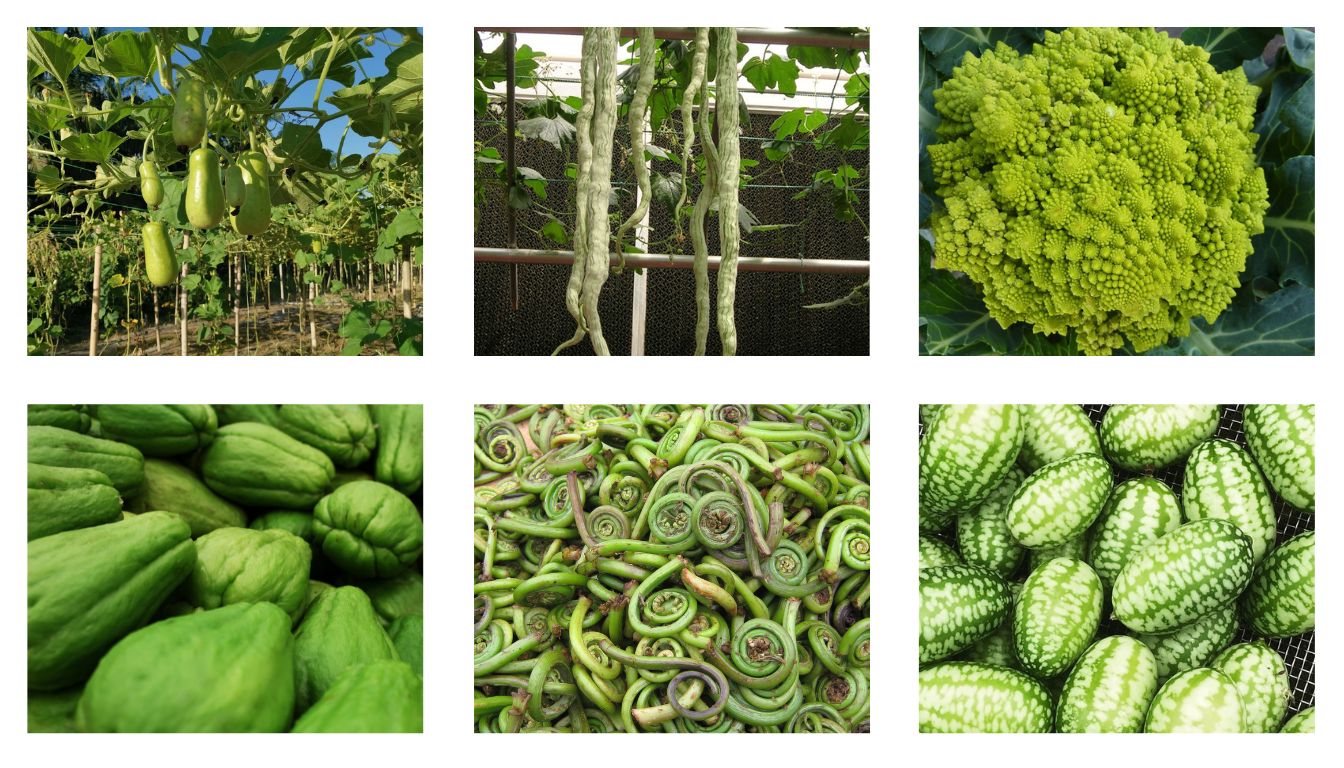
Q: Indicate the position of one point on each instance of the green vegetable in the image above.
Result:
(240, 565)
(89, 587)
(965, 697)
(966, 452)
(151, 189)
(339, 631)
(379, 697)
(1196, 701)
(595, 128)
(936, 552)
(189, 112)
(234, 193)
(160, 259)
(369, 530)
(1140, 438)
(1140, 510)
(204, 196)
(1281, 598)
(298, 523)
(260, 466)
(1109, 689)
(1282, 438)
(1059, 501)
(71, 417)
(726, 116)
(396, 597)
(1302, 722)
(63, 499)
(223, 671)
(1221, 481)
(1054, 432)
(958, 604)
(173, 488)
(53, 712)
(1193, 645)
(1056, 616)
(229, 414)
(408, 635)
(159, 430)
(401, 454)
(343, 432)
(254, 214)
(1103, 185)
(1182, 577)
(1262, 683)
(638, 116)
(983, 534)
(54, 447)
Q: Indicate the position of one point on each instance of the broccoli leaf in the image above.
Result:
(1286, 251)
(1228, 47)
(1283, 324)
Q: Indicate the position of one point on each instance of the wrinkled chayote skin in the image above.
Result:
(339, 631)
(241, 565)
(229, 670)
(380, 697)
(368, 529)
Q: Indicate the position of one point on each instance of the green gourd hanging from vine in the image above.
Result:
(639, 104)
(726, 111)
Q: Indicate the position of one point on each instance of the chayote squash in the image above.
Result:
(71, 417)
(339, 631)
(369, 530)
(53, 712)
(408, 635)
(343, 432)
(315, 588)
(159, 430)
(401, 455)
(240, 565)
(231, 414)
(65, 498)
(396, 597)
(173, 488)
(223, 671)
(298, 523)
(123, 464)
(380, 697)
(89, 587)
(259, 466)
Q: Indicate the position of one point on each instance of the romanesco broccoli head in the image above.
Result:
(1105, 183)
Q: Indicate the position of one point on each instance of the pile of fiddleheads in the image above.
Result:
(650, 568)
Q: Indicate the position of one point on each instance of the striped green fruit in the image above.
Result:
(1302, 722)
(958, 604)
(1282, 439)
(1262, 682)
(1222, 481)
(1056, 616)
(1182, 577)
(997, 647)
(1146, 437)
(1193, 645)
(1281, 600)
(1059, 501)
(1109, 689)
(1073, 548)
(927, 412)
(983, 535)
(1196, 701)
(965, 453)
(1054, 432)
(936, 552)
(966, 697)
(1139, 511)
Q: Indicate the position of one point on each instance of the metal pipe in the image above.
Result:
(814, 37)
(678, 261)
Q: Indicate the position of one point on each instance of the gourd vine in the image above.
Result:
(703, 202)
(639, 105)
(698, 60)
(592, 233)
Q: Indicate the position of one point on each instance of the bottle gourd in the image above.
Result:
(205, 195)
(189, 114)
(254, 216)
(151, 189)
(160, 261)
